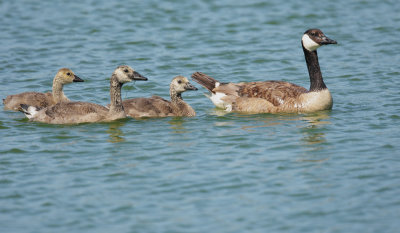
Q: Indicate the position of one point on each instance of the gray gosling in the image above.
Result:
(275, 96)
(38, 99)
(156, 106)
(84, 112)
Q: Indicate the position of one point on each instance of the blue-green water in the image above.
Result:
(334, 171)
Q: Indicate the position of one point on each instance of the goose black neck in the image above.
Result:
(314, 71)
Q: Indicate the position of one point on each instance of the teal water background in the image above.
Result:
(333, 171)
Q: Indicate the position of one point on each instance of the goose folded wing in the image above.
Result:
(275, 92)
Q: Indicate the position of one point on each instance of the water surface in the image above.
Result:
(332, 171)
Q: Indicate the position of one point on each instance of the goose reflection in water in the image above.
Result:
(313, 132)
(314, 140)
(311, 128)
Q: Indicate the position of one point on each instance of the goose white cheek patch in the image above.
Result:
(309, 44)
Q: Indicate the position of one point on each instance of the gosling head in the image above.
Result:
(314, 38)
(181, 84)
(126, 74)
(65, 76)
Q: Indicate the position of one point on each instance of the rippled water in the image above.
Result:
(333, 171)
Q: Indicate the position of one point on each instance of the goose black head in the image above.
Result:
(314, 38)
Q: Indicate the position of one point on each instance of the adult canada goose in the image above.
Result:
(275, 96)
(81, 112)
(156, 106)
(63, 76)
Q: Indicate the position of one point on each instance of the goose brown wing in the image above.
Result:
(276, 92)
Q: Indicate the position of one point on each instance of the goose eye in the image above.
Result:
(179, 81)
(69, 74)
(126, 70)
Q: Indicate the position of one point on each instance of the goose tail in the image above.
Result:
(29, 111)
(205, 80)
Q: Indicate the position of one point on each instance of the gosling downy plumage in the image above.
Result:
(83, 112)
(156, 106)
(275, 96)
(63, 76)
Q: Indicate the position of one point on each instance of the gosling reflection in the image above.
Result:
(177, 125)
(115, 133)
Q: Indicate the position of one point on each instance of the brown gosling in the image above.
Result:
(156, 106)
(38, 99)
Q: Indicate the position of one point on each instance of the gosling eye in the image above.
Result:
(126, 70)
(179, 81)
(69, 74)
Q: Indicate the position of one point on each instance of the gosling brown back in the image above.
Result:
(156, 106)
